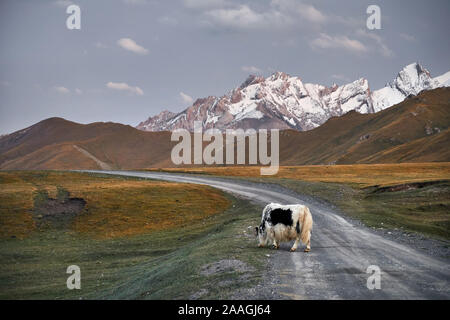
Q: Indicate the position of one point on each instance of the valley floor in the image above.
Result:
(411, 197)
(343, 251)
(124, 239)
(135, 236)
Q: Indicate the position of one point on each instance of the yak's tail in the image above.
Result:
(307, 225)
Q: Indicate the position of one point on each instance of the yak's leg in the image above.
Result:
(308, 242)
(294, 247)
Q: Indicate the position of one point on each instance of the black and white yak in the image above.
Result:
(282, 223)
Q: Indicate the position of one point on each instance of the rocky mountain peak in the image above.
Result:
(156, 121)
(278, 76)
(412, 79)
(281, 101)
(251, 79)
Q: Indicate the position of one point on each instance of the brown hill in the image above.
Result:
(56, 143)
(416, 130)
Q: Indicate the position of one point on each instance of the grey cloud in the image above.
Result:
(325, 41)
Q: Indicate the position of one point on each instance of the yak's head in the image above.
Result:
(261, 233)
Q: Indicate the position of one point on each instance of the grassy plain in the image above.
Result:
(134, 239)
(363, 175)
(412, 196)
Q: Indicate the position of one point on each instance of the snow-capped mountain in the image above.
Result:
(410, 81)
(281, 101)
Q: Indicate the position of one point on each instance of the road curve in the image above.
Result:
(341, 252)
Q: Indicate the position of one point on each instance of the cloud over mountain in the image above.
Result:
(122, 86)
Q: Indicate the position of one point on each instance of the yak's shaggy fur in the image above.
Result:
(283, 223)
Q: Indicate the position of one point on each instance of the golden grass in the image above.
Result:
(362, 174)
(116, 207)
(135, 207)
(16, 203)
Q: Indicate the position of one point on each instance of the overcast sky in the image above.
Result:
(134, 58)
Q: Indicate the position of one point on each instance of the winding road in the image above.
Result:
(336, 267)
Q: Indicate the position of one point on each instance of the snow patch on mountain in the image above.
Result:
(444, 80)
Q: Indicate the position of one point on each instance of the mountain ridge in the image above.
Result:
(284, 102)
(416, 130)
